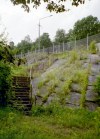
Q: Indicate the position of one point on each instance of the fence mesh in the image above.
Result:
(76, 44)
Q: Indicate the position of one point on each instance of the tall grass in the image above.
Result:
(51, 122)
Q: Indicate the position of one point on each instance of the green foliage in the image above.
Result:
(52, 85)
(25, 45)
(40, 84)
(67, 85)
(5, 83)
(6, 53)
(19, 70)
(89, 25)
(50, 5)
(97, 85)
(92, 47)
(73, 56)
(60, 36)
(44, 41)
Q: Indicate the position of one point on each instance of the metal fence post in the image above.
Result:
(43, 49)
(35, 50)
(75, 43)
(56, 49)
(87, 41)
(59, 49)
(30, 74)
(63, 47)
(53, 48)
(69, 46)
(28, 53)
(21, 55)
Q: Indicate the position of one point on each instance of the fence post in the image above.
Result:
(28, 53)
(43, 49)
(35, 50)
(21, 55)
(53, 48)
(30, 74)
(75, 43)
(56, 49)
(63, 47)
(59, 49)
(68, 43)
(87, 41)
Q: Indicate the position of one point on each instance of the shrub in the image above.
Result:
(97, 85)
(40, 84)
(73, 56)
(92, 47)
(5, 83)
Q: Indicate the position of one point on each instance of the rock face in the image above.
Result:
(74, 98)
(91, 96)
(91, 105)
(75, 87)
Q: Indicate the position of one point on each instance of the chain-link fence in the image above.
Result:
(76, 44)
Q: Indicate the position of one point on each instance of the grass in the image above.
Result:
(52, 122)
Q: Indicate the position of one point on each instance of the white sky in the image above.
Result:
(19, 23)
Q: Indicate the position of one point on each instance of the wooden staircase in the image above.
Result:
(22, 94)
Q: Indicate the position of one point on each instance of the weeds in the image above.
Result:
(92, 47)
(50, 122)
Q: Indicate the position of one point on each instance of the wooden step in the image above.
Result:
(25, 79)
(21, 88)
(22, 84)
(26, 89)
(22, 93)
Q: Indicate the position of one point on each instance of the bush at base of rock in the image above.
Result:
(5, 83)
(92, 47)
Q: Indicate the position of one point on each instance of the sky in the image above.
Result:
(17, 23)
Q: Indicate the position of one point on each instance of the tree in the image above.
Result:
(25, 45)
(89, 25)
(11, 44)
(6, 57)
(60, 36)
(57, 6)
(6, 54)
(44, 41)
(70, 35)
(28, 39)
